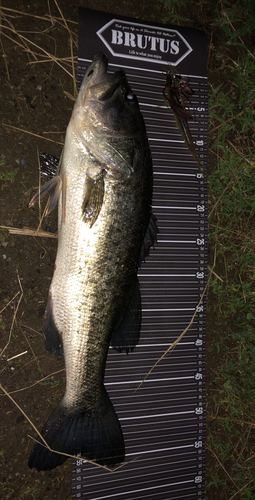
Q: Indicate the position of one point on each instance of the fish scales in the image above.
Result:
(100, 271)
(105, 229)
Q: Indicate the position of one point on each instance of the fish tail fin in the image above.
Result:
(95, 434)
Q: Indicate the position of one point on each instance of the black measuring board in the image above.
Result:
(163, 422)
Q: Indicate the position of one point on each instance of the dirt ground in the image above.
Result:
(36, 96)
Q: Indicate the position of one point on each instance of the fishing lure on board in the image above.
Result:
(176, 91)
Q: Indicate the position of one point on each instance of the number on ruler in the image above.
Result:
(200, 275)
(198, 479)
(198, 444)
(199, 411)
(200, 241)
(200, 208)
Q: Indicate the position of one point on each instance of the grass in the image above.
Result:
(231, 406)
(9, 176)
(231, 181)
(173, 8)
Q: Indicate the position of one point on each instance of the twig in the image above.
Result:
(82, 458)
(3, 52)
(44, 18)
(244, 296)
(247, 484)
(17, 356)
(29, 328)
(69, 95)
(218, 460)
(49, 59)
(71, 47)
(25, 415)
(229, 184)
(21, 37)
(39, 181)
(22, 291)
(241, 422)
(35, 357)
(20, 45)
(45, 445)
(43, 50)
(54, 131)
(10, 301)
(30, 232)
(174, 344)
(240, 153)
(41, 219)
(23, 366)
(215, 274)
(210, 131)
(31, 133)
(22, 13)
(37, 382)
(50, 16)
(14, 316)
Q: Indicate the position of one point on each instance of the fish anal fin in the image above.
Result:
(53, 339)
(53, 189)
(150, 238)
(126, 336)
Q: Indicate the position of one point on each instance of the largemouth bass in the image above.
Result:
(105, 230)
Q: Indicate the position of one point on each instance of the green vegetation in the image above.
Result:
(30, 492)
(8, 176)
(231, 301)
(3, 235)
(231, 234)
(173, 8)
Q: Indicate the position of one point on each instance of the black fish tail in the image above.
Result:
(95, 434)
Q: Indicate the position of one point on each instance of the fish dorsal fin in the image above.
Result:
(150, 238)
(94, 197)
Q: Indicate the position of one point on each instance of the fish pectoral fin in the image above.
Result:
(94, 197)
(53, 339)
(126, 336)
(53, 188)
(150, 238)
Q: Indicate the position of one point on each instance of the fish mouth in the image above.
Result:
(102, 85)
(97, 70)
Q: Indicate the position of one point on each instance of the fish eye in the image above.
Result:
(131, 97)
